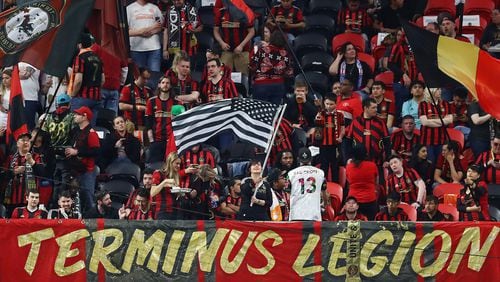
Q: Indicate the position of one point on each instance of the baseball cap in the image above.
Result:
(444, 16)
(84, 111)
(62, 99)
(304, 155)
(24, 134)
(274, 175)
(476, 168)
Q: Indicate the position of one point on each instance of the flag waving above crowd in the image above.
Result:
(250, 120)
(443, 60)
(43, 33)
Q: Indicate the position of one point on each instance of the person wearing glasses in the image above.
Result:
(490, 162)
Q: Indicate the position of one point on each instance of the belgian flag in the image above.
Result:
(443, 61)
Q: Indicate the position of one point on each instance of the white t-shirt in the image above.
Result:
(31, 85)
(140, 17)
(305, 197)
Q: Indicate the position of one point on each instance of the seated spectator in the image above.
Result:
(133, 98)
(32, 209)
(392, 212)
(347, 66)
(215, 53)
(423, 166)
(230, 205)
(404, 140)
(386, 109)
(120, 146)
(410, 107)
(66, 209)
(277, 179)
(458, 108)
(433, 27)
(490, 37)
(204, 199)
(103, 208)
(448, 27)
(285, 160)
(146, 183)
(288, 17)
(472, 202)
(142, 209)
(431, 211)
(264, 36)
(406, 182)
(196, 156)
(217, 87)
(185, 89)
(448, 167)
(490, 162)
(350, 211)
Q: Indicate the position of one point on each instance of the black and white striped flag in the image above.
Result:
(250, 120)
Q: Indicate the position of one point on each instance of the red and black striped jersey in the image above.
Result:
(225, 72)
(343, 217)
(159, 117)
(402, 57)
(135, 96)
(138, 214)
(461, 112)
(470, 197)
(404, 185)
(223, 89)
(332, 123)
(371, 133)
(282, 141)
(182, 87)
(353, 21)
(232, 31)
(384, 215)
(294, 14)
(23, 212)
(385, 108)
(90, 66)
(444, 166)
(233, 201)
(17, 185)
(402, 145)
(490, 173)
(165, 201)
(199, 158)
(433, 135)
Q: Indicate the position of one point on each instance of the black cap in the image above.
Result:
(477, 168)
(304, 155)
(444, 16)
(23, 135)
(273, 175)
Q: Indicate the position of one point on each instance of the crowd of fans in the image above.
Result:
(389, 144)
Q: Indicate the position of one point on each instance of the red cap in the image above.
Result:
(84, 111)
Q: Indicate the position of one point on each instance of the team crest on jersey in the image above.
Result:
(27, 24)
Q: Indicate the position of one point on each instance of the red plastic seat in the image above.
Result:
(447, 188)
(457, 136)
(330, 213)
(434, 7)
(387, 77)
(409, 210)
(379, 52)
(336, 194)
(356, 39)
(476, 30)
(449, 209)
(479, 7)
(368, 59)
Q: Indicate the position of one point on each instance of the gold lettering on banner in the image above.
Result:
(439, 262)
(142, 248)
(368, 248)
(401, 252)
(271, 261)
(198, 245)
(478, 254)
(305, 253)
(100, 253)
(231, 267)
(338, 241)
(353, 251)
(173, 249)
(35, 239)
(65, 242)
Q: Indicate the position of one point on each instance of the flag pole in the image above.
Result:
(277, 122)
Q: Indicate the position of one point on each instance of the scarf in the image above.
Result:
(359, 66)
(175, 25)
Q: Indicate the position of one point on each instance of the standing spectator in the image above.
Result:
(347, 66)
(285, 160)
(102, 207)
(386, 109)
(389, 14)
(277, 179)
(362, 177)
(120, 146)
(354, 19)
(234, 38)
(87, 78)
(392, 212)
(32, 209)
(448, 27)
(431, 211)
(410, 107)
(256, 195)
(270, 66)
(282, 142)
(4, 106)
(84, 151)
(197, 156)
(263, 38)
(180, 27)
(423, 166)
(349, 102)
(472, 202)
(230, 205)
(351, 208)
(30, 85)
(186, 90)
(217, 87)
(133, 99)
(225, 70)
(66, 208)
(406, 182)
(145, 24)
(308, 185)
(435, 117)
(331, 126)
(300, 111)
(405, 139)
(288, 17)
(458, 108)
(479, 137)
(448, 167)
(490, 162)
(205, 197)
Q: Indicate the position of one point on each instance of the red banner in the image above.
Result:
(50, 250)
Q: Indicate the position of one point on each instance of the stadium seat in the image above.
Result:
(119, 191)
(494, 195)
(129, 172)
(340, 39)
(467, 158)
(336, 194)
(447, 188)
(409, 210)
(3, 211)
(479, 7)
(309, 42)
(316, 61)
(457, 136)
(207, 17)
(105, 118)
(434, 7)
(319, 81)
(330, 213)
(476, 30)
(450, 210)
(387, 77)
(325, 7)
(494, 213)
(378, 53)
(323, 24)
(102, 132)
(368, 59)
